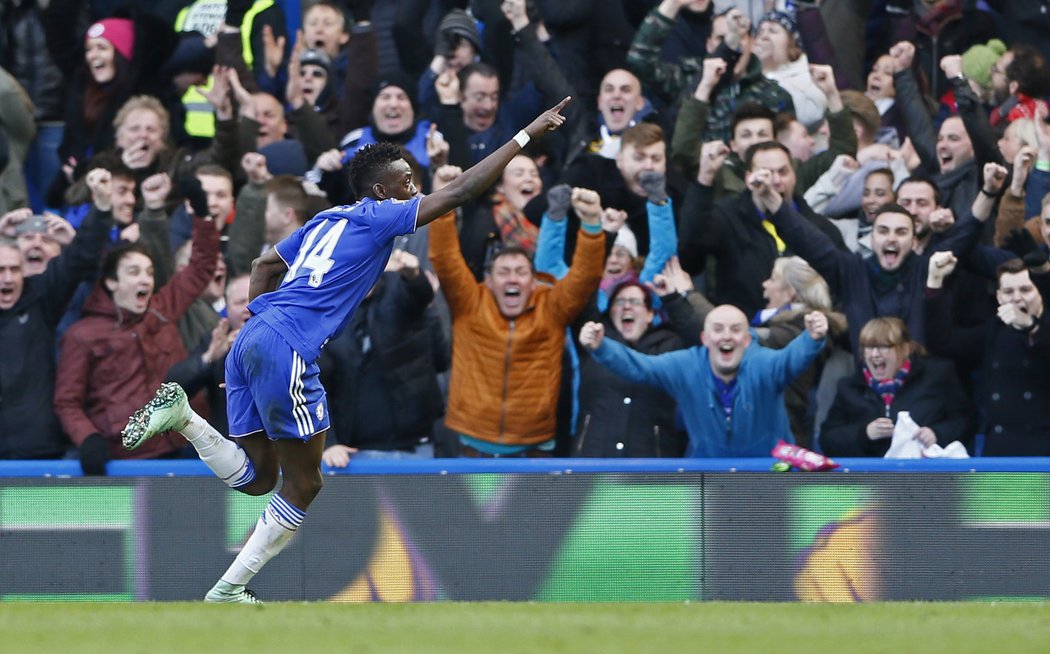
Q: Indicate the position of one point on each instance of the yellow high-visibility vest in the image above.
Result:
(205, 16)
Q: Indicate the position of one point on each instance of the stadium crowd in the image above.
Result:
(761, 220)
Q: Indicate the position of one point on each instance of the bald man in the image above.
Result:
(730, 390)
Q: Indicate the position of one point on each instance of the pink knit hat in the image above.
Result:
(120, 32)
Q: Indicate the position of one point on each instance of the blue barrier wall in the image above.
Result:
(543, 530)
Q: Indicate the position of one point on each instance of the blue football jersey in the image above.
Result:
(333, 261)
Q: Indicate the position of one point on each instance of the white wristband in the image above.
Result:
(522, 138)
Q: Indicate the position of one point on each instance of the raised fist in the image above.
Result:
(445, 175)
(588, 205)
(591, 335)
(941, 265)
(903, 53)
(155, 190)
(712, 156)
(816, 325)
(100, 183)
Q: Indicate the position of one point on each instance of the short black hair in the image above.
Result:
(886, 172)
(1029, 70)
(923, 179)
(1009, 267)
(749, 111)
(893, 207)
(479, 67)
(111, 260)
(762, 146)
(369, 163)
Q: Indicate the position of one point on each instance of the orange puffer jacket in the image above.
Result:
(506, 373)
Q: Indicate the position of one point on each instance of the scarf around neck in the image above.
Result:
(514, 227)
(887, 388)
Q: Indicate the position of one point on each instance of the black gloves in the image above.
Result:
(1021, 243)
(191, 189)
(655, 186)
(94, 452)
(558, 200)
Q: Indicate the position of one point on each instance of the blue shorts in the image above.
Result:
(270, 388)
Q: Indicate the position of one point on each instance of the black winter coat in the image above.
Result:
(862, 290)
(931, 393)
(732, 232)
(380, 373)
(29, 428)
(619, 418)
(1016, 367)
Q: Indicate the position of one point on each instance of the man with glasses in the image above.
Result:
(1018, 79)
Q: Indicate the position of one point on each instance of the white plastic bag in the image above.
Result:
(904, 444)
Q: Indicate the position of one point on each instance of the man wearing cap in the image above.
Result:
(30, 308)
(393, 119)
(458, 45)
(488, 117)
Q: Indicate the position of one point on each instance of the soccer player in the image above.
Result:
(303, 292)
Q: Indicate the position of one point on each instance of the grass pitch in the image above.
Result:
(507, 628)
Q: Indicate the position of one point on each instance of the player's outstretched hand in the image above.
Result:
(548, 121)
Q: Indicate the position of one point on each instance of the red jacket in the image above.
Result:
(111, 363)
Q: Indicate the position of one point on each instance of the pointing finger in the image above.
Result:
(561, 105)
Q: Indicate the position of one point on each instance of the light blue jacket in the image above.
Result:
(759, 417)
(663, 244)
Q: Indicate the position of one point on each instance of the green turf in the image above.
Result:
(506, 628)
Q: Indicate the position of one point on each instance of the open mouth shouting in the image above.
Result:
(7, 294)
(891, 256)
(34, 256)
(142, 297)
(512, 296)
(878, 366)
(529, 190)
(726, 352)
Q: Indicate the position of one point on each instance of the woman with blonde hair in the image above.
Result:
(794, 289)
(896, 376)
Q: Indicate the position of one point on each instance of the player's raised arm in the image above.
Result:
(484, 174)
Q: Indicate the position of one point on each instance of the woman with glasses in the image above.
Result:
(617, 417)
(896, 376)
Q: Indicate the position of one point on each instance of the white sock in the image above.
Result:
(225, 457)
(275, 528)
